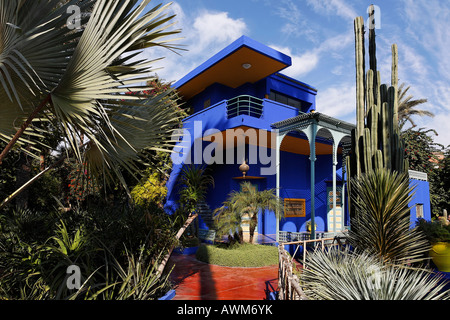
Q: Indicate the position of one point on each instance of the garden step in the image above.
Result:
(205, 212)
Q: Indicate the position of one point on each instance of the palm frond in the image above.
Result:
(146, 126)
(406, 106)
(35, 47)
(90, 97)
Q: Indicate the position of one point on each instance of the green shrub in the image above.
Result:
(149, 191)
(435, 231)
(108, 244)
(238, 255)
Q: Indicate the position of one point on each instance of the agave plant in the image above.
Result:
(382, 221)
(345, 275)
(79, 79)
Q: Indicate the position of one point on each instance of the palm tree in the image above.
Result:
(79, 79)
(194, 183)
(246, 203)
(406, 107)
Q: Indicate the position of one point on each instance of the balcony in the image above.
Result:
(245, 105)
(242, 110)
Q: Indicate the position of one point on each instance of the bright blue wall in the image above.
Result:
(294, 181)
(422, 196)
(293, 88)
(216, 117)
(279, 83)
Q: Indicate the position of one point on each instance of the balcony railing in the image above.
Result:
(244, 105)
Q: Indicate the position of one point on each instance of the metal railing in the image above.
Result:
(288, 236)
(245, 105)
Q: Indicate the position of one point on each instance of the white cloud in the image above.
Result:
(333, 7)
(425, 62)
(307, 61)
(204, 34)
(337, 43)
(427, 24)
(296, 24)
(301, 64)
(215, 29)
(338, 101)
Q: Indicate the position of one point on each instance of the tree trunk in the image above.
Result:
(24, 126)
(29, 182)
(252, 226)
(180, 232)
(23, 174)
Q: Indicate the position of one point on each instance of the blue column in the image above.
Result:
(280, 138)
(312, 147)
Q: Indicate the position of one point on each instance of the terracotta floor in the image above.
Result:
(196, 280)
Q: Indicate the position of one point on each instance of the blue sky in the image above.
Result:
(318, 35)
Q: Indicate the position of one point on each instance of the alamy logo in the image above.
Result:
(231, 146)
(74, 20)
(74, 280)
(374, 20)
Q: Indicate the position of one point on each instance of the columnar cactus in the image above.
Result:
(376, 139)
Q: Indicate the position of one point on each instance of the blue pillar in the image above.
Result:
(312, 146)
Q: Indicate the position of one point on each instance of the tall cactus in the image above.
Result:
(376, 141)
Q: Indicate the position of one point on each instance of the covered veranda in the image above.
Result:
(314, 125)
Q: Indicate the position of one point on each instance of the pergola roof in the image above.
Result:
(312, 125)
(303, 120)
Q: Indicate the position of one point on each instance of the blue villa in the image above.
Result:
(250, 122)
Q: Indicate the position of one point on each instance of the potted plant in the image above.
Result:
(438, 234)
(308, 226)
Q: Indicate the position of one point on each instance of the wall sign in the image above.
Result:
(294, 208)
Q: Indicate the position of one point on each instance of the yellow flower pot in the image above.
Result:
(440, 252)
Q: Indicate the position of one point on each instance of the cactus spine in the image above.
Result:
(376, 139)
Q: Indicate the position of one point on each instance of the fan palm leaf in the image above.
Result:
(80, 80)
(34, 46)
(94, 85)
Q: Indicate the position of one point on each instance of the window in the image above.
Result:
(419, 210)
(282, 98)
